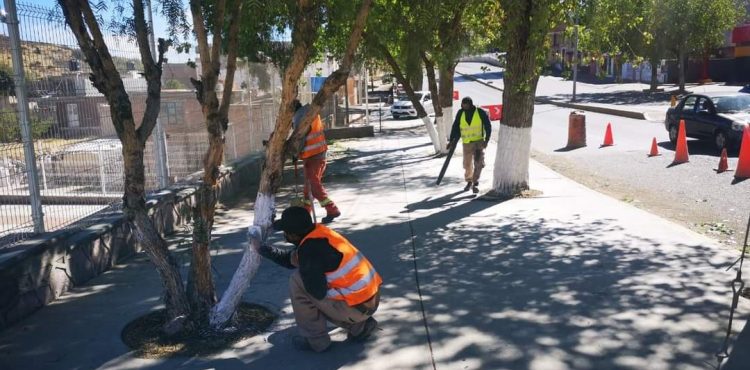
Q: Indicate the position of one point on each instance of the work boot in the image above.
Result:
(331, 212)
(468, 186)
(475, 189)
(370, 325)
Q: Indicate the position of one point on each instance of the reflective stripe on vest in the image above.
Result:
(352, 289)
(315, 141)
(474, 131)
(355, 280)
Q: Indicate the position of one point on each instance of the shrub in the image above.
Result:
(10, 130)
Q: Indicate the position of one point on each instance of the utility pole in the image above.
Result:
(575, 57)
(346, 101)
(367, 100)
(160, 140)
(11, 19)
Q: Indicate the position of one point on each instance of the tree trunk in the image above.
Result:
(201, 289)
(146, 234)
(421, 112)
(104, 76)
(526, 32)
(446, 102)
(304, 35)
(682, 65)
(511, 173)
(432, 83)
(654, 74)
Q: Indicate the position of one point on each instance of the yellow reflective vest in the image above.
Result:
(471, 131)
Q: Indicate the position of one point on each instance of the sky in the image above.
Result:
(160, 26)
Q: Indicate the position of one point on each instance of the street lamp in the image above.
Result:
(575, 55)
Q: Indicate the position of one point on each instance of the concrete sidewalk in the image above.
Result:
(570, 279)
(620, 99)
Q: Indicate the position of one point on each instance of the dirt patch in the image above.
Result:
(144, 336)
(695, 218)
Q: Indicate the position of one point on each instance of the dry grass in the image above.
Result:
(14, 151)
(144, 335)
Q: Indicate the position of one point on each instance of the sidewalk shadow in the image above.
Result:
(521, 291)
(617, 98)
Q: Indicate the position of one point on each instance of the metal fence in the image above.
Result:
(78, 156)
(77, 153)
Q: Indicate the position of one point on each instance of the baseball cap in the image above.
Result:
(294, 220)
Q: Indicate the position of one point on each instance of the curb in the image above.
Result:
(590, 108)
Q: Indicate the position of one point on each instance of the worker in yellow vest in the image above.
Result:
(313, 157)
(472, 126)
(334, 281)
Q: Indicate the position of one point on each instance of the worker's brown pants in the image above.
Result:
(311, 314)
(473, 161)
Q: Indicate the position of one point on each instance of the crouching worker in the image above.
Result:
(333, 282)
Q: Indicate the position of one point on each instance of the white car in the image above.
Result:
(403, 107)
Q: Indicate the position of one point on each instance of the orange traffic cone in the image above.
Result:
(743, 164)
(723, 165)
(654, 149)
(681, 152)
(608, 141)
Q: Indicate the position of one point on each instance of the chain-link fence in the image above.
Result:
(78, 155)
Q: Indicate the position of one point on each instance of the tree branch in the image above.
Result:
(221, 6)
(104, 75)
(334, 80)
(356, 36)
(199, 26)
(232, 47)
(397, 72)
(152, 71)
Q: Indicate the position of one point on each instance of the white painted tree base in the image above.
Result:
(511, 173)
(445, 125)
(440, 133)
(432, 132)
(256, 234)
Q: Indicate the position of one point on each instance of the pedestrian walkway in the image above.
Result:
(570, 279)
(626, 99)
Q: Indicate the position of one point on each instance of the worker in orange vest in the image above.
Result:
(334, 281)
(313, 156)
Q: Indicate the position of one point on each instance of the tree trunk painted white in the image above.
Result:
(432, 132)
(445, 126)
(222, 312)
(442, 136)
(511, 173)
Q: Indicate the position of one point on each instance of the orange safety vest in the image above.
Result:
(315, 142)
(355, 280)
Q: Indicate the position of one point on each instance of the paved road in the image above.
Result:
(692, 194)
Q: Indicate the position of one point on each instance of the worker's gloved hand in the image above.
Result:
(485, 145)
(255, 237)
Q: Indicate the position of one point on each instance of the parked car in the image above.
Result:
(403, 106)
(720, 117)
